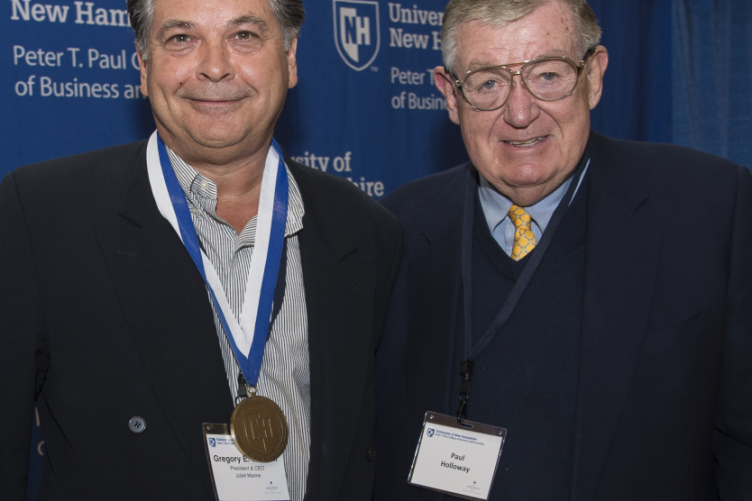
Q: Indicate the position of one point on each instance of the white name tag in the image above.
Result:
(456, 459)
(238, 478)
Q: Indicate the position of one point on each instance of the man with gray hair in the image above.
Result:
(573, 315)
(195, 315)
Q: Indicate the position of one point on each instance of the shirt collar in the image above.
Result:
(201, 192)
(496, 206)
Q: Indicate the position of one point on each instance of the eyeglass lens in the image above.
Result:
(548, 80)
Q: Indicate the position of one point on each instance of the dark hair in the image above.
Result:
(289, 13)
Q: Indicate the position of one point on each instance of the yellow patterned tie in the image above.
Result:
(524, 240)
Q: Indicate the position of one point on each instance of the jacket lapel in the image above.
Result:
(621, 261)
(165, 304)
(435, 306)
(434, 319)
(339, 286)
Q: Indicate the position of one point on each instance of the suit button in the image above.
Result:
(137, 424)
(371, 453)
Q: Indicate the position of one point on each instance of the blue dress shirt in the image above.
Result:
(496, 207)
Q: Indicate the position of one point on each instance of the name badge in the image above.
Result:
(457, 459)
(237, 477)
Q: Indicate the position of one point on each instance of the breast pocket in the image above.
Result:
(684, 332)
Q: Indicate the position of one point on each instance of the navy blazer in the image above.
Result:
(103, 316)
(664, 395)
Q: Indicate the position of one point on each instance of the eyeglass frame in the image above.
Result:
(578, 67)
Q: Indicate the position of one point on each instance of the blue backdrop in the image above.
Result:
(365, 108)
(712, 42)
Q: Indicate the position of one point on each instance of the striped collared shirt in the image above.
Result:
(285, 375)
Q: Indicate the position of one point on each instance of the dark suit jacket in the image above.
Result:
(103, 317)
(664, 397)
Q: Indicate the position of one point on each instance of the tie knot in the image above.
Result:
(519, 216)
(524, 239)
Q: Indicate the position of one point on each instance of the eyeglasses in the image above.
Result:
(547, 79)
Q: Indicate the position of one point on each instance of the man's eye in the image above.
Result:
(488, 85)
(179, 39)
(549, 76)
(245, 35)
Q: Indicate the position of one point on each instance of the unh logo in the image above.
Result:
(213, 442)
(261, 428)
(430, 432)
(356, 32)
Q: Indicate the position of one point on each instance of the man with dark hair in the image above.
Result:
(157, 291)
(593, 297)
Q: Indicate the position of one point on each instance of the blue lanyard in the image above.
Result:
(250, 364)
(471, 352)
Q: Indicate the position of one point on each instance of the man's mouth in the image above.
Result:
(528, 143)
(214, 100)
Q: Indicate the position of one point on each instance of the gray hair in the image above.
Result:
(289, 13)
(501, 12)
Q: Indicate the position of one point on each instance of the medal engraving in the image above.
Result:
(259, 428)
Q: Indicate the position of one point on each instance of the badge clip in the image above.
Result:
(466, 371)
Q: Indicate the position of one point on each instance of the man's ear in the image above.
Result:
(445, 83)
(143, 71)
(292, 64)
(596, 68)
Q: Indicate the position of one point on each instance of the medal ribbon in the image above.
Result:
(262, 278)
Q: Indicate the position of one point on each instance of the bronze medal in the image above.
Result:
(259, 428)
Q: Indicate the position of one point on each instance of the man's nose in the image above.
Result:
(215, 63)
(521, 108)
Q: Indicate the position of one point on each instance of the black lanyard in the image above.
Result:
(472, 352)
